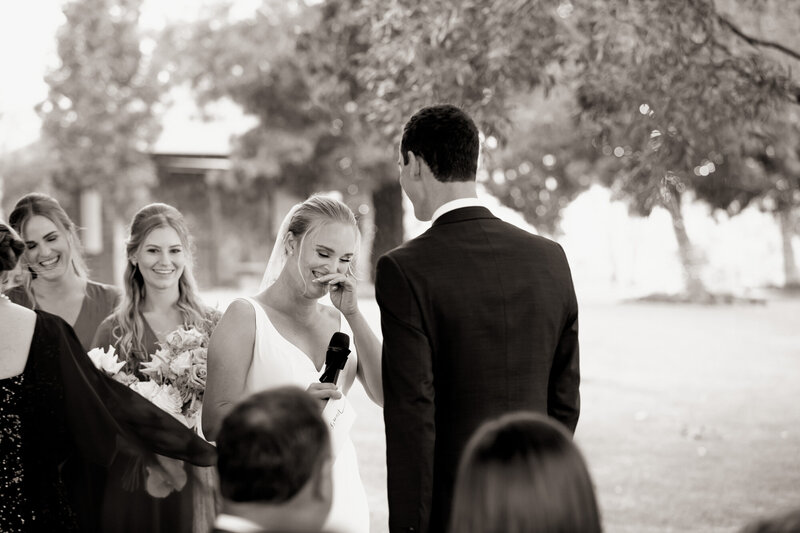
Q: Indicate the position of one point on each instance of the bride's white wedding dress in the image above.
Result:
(277, 362)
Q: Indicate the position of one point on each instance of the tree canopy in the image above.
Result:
(98, 115)
(654, 99)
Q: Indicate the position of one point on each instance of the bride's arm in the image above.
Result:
(230, 351)
(344, 297)
(369, 356)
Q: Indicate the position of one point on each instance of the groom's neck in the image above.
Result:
(441, 193)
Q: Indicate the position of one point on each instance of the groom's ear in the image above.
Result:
(415, 163)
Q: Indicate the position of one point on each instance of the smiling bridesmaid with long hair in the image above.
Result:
(160, 297)
(160, 291)
(57, 278)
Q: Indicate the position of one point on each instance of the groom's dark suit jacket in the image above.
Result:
(479, 318)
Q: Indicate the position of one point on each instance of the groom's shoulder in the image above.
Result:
(501, 234)
(410, 248)
(406, 256)
(520, 236)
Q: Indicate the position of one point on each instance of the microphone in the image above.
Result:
(335, 357)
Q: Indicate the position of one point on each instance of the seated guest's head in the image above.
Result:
(783, 523)
(522, 473)
(274, 461)
(11, 248)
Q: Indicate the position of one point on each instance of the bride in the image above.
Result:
(279, 337)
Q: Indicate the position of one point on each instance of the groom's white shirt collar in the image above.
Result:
(227, 522)
(452, 205)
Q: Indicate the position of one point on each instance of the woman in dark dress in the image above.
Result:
(160, 297)
(57, 281)
(56, 405)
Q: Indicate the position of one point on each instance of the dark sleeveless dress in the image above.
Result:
(140, 513)
(62, 408)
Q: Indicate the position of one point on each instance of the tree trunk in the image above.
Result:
(791, 276)
(694, 286)
(387, 200)
(271, 225)
(366, 223)
(215, 227)
(119, 259)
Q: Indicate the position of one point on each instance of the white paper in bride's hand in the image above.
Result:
(339, 416)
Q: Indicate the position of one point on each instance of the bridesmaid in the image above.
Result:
(160, 297)
(58, 281)
(160, 291)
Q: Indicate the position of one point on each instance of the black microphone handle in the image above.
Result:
(330, 374)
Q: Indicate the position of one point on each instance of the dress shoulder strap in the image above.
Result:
(262, 320)
(256, 306)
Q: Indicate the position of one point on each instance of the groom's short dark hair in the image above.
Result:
(270, 445)
(446, 138)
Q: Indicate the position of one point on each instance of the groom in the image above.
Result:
(479, 318)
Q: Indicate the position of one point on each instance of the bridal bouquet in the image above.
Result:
(179, 369)
(176, 381)
(176, 371)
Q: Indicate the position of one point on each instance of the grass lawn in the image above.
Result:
(690, 419)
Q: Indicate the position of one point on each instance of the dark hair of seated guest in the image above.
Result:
(522, 473)
(270, 445)
(11, 248)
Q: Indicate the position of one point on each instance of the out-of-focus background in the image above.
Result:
(657, 142)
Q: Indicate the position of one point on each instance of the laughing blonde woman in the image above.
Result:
(56, 277)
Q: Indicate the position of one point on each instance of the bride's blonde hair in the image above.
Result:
(303, 219)
(316, 211)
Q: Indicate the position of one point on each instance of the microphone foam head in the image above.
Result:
(339, 341)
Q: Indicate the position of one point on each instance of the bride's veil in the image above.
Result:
(277, 258)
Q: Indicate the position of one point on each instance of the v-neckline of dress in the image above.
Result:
(81, 310)
(149, 328)
(290, 343)
(84, 304)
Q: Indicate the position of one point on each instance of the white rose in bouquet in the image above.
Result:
(181, 364)
(125, 378)
(200, 355)
(106, 360)
(148, 389)
(197, 377)
(95, 354)
(168, 399)
(186, 339)
(158, 365)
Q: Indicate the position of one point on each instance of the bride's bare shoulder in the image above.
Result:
(239, 308)
(237, 317)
